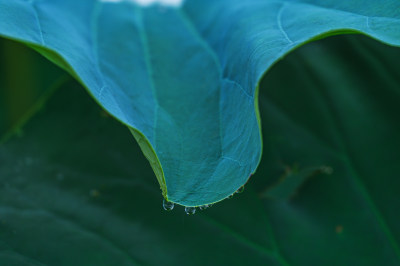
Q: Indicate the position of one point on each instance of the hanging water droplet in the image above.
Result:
(240, 190)
(167, 205)
(230, 196)
(190, 210)
(204, 207)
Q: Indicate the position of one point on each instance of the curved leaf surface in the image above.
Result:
(185, 79)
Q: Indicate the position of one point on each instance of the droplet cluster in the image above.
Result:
(169, 206)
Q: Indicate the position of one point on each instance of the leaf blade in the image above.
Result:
(183, 84)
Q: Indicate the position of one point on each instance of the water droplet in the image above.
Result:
(167, 205)
(230, 196)
(240, 190)
(190, 210)
(204, 207)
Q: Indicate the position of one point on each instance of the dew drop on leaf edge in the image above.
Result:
(190, 210)
(167, 205)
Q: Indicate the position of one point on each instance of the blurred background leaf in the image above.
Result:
(26, 80)
(334, 106)
(76, 190)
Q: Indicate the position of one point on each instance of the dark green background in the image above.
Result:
(76, 190)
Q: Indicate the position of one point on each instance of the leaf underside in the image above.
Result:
(186, 79)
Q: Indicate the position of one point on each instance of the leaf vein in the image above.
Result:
(39, 24)
(279, 22)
